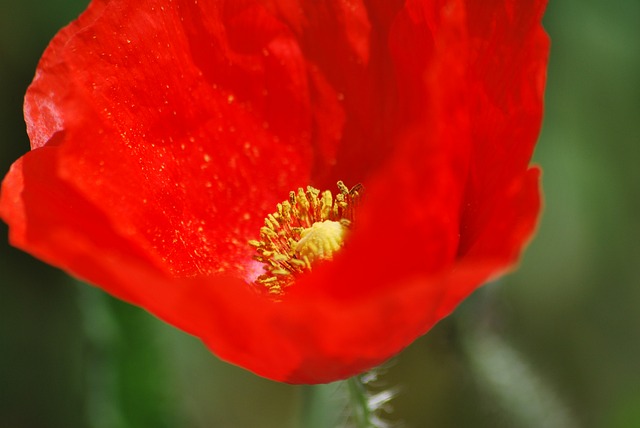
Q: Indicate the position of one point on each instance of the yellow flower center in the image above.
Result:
(308, 228)
(320, 241)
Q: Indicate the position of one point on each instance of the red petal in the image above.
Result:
(164, 132)
(506, 85)
(170, 120)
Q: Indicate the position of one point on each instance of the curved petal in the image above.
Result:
(506, 85)
(164, 131)
(157, 124)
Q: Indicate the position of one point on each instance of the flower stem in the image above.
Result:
(359, 403)
(350, 403)
(321, 406)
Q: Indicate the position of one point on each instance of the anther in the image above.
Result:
(308, 228)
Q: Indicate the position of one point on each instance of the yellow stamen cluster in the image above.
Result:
(309, 227)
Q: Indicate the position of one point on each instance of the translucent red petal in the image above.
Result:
(164, 131)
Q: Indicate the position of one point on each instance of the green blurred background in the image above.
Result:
(556, 344)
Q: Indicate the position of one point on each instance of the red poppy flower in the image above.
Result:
(163, 133)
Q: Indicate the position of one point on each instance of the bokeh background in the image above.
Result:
(556, 344)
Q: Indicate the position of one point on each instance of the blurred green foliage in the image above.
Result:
(563, 332)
